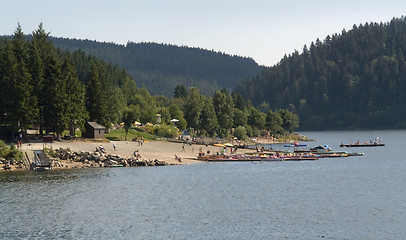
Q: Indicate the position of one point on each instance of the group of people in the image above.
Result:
(19, 143)
(140, 140)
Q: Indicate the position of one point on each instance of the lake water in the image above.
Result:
(337, 198)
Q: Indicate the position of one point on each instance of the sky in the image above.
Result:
(264, 30)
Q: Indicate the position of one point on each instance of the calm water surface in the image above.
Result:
(345, 198)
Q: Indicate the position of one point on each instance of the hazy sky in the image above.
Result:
(262, 29)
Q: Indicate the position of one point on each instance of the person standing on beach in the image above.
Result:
(114, 146)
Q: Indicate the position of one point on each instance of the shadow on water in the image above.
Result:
(52, 175)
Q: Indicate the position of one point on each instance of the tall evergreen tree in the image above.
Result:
(21, 103)
(76, 113)
(41, 50)
(56, 97)
(208, 119)
(96, 98)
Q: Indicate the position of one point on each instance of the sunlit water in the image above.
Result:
(339, 198)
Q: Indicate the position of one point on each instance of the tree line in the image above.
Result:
(160, 67)
(356, 79)
(53, 90)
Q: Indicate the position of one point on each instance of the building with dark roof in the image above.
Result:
(93, 130)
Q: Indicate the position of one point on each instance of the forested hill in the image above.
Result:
(356, 79)
(161, 67)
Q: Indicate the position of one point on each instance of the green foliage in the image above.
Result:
(96, 95)
(150, 63)
(130, 115)
(290, 121)
(176, 113)
(193, 108)
(53, 89)
(119, 134)
(10, 152)
(355, 79)
(50, 152)
(208, 119)
(17, 99)
(256, 119)
(162, 130)
(274, 123)
(224, 107)
(240, 118)
(241, 133)
(180, 91)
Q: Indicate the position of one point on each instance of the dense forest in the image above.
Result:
(46, 88)
(162, 66)
(352, 80)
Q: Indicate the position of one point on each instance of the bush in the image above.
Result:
(240, 133)
(163, 130)
(50, 152)
(10, 152)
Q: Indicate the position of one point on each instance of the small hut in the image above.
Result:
(94, 130)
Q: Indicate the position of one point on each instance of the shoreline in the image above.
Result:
(149, 151)
(160, 152)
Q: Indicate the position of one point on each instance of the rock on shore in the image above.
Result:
(71, 159)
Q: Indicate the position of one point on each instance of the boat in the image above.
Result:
(362, 145)
(376, 143)
(116, 165)
(324, 151)
(238, 158)
(251, 157)
(300, 158)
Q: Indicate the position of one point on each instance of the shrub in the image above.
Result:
(241, 133)
(10, 152)
(163, 130)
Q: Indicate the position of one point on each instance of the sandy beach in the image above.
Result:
(150, 150)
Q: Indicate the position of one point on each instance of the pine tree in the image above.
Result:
(208, 119)
(76, 113)
(21, 103)
(55, 100)
(96, 98)
(40, 50)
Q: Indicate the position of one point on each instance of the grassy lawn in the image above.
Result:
(119, 135)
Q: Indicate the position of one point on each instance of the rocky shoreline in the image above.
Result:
(83, 159)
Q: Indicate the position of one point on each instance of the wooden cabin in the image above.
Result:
(94, 130)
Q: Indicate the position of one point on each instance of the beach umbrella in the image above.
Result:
(219, 145)
(174, 120)
(228, 145)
